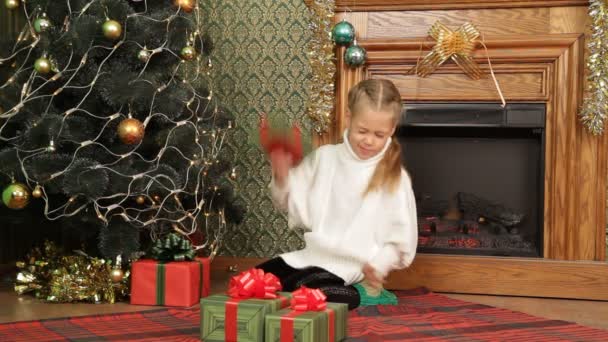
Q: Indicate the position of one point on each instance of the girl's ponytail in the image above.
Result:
(388, 171)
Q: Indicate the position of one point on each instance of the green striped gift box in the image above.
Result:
(250, 314)
(308, 326)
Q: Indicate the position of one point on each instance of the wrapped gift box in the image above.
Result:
(224, 318)
(176, 283)
(288, 325)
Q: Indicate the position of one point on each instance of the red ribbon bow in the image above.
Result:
(254, 283)
(306, 299)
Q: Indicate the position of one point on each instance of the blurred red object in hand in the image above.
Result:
(288, 140)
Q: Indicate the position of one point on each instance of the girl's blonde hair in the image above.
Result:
(380, 95)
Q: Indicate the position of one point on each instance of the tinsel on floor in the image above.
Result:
(57, 277)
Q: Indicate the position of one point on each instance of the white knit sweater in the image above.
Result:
(324, 195)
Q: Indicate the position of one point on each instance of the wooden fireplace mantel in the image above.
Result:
(537, 50)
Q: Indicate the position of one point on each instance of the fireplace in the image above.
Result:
(477, 174)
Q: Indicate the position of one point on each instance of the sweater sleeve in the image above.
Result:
(293, 196)
(399, 238)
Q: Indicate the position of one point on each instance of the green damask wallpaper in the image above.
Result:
(259, 65)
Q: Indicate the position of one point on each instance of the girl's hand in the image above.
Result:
(372, 277)
(280, 162)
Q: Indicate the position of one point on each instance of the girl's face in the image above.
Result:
(368, 131)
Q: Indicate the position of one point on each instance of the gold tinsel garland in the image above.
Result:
(595, 106)
(323, 69)
(54, 277)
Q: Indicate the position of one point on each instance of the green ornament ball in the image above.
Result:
(42, 65)
(355, 56)
(188, 53)
(11, 4)
(112, 29)
(42, 25)
(343, 33)
(16, 196)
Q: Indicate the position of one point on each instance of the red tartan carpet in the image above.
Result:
(420, 316)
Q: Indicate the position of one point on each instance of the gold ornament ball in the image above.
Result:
(16, 196)
(42, 65)
(131, 131)
(157, 198)
(37, 193)
(188, 53)
(112, 29)
(117, 275)
(186, 5)
(140, 200)
(144, 55)
(11, 4)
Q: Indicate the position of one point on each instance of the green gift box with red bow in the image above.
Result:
(174, 277)
(239, 314)
(309, 319)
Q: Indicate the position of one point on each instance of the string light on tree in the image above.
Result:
(51, 147)
(185, 5)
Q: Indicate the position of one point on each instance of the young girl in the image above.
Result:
(354, 199)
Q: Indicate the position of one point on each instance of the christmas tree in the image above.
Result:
(109, 126)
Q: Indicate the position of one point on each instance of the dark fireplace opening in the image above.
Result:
(477, 174)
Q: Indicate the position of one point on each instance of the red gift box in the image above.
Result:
(176, 283)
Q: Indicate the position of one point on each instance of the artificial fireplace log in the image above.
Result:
(431, 207)
(475, 207)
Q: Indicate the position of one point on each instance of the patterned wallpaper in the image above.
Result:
(259, 65)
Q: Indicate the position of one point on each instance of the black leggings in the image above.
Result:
(315, 278)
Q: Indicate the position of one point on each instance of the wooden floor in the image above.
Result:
(23, 308)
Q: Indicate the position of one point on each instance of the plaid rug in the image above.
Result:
(420, 315)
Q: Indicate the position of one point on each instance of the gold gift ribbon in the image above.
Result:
(458, 46)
